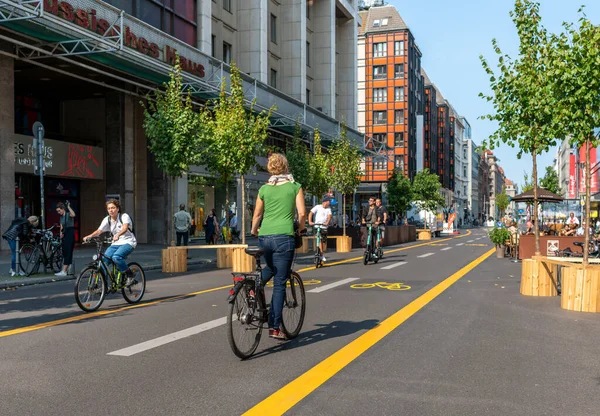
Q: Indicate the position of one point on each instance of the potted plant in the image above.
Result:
(499, 236)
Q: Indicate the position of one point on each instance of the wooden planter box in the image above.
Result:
(580, 290)
(539, 278)
(424, 234)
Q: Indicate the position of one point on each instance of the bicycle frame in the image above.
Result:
(103, 263)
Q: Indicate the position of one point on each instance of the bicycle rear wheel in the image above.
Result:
(32, 259)
(294, 307)
(134, 292)
(244, 329)
(57, 260)
(90, 289)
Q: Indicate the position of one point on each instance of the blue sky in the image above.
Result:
(452, 35)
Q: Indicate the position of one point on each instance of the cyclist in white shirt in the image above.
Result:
(124, 241)
(321, 214)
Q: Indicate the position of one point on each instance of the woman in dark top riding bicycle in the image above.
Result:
(277, 200)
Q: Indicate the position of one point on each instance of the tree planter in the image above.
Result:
(344, 244)
(539, 278)
(424, 234)
(500, 251)
(580, 289)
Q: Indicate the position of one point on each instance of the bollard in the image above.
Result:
(17, 257)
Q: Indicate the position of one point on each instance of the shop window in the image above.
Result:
(379, 49)
(379, 95)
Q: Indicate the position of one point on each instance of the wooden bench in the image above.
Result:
(342, 244)
(174, 259)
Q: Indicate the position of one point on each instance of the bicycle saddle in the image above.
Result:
(578, 243)
(255, 251)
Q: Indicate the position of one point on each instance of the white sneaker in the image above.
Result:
(12, 272)
(61, 273)
(323, 259)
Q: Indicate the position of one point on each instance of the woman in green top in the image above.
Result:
(277, 200)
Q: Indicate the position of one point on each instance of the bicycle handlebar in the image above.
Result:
(97, 240)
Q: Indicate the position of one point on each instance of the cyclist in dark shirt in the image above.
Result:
(382, 218)
(369, 217)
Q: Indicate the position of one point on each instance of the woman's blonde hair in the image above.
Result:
(278, 164)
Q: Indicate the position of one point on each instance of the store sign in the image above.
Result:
(572, 184)
(68, 160)
(100, 20)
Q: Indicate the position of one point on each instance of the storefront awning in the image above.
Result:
(369, 188)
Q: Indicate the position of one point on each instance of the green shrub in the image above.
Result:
(499, 236)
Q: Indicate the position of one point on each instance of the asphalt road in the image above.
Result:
(459, 341)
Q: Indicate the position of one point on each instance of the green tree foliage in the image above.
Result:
(171, 126)
(527, 183)
(320, 173)
(299, 158)
(345, 158)
(502, 202)
(550, 181)
(426, 191)
(400, 193)
(577, 73)
(233, 136)
(522, 92)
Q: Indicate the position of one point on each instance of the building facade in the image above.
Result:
(511, 190)
(390, 91)
(297, 54)
(461, 169)
(495, 183)
(473, 188)
(431, 146)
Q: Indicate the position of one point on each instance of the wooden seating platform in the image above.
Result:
(342, 244)
(174, 259)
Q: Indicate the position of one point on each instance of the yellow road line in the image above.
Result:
(288, 396)
(156, 302)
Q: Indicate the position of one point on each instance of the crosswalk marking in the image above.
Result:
(461, 244)
(470, 241)
(425, 255)
(332, 285)
(157, 342)
(447, 248)
(391, 266)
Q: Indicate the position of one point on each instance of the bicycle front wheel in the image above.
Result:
(134, 291)
(294, 307)
(90, 289)
(243, 328)
(30, 260)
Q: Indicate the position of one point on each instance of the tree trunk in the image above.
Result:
(535, 204)
(586, 230)
(225, 224)
(344, 215)
(171, 222)
(243, 180)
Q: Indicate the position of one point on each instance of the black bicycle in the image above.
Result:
(101, 276)
(47, 251)
(248, 310)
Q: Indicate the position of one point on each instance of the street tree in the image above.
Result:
(320, 173)
(522, 93)
(345, 158)
(577, 71)
(233, 136)
(400, 193)
(426, 192)
(550, 181)
(502, 202)
(171, 126)
(299, 158)
(527, 183)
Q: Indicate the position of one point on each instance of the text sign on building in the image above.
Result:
(68, 160)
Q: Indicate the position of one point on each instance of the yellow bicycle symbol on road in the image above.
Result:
(307, 282)
(382, 285)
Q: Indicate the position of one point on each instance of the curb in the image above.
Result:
(29, 281)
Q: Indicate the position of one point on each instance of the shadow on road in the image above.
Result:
(324, 332)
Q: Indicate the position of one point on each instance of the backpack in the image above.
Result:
(119, 220)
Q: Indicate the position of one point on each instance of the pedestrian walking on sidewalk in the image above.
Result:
(67, 233)
(211, 227)
(183, 222)
(20, 228)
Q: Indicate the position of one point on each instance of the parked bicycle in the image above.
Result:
(249, 311)
(46, 249)
(101, 276)
(371, 251)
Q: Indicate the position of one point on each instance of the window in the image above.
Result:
(465, 171)
(308, 10)
(399, 139)
(399, 48)
(307, 53)
(399, 71)
(379, 117)
(307, 97)
(379, 49)
(399, 117)
(465, 153)
(227, 5)
(213, 47)
(399, 94)
(273, 80)
(379, 164)
(226, 52)
(380, 72)
(175, 17)
(273, 28)
(399, 163)
(380, 138)
(379, 95)
(384, 22)
(376, 23)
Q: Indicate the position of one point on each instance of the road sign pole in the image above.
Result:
(38, 134)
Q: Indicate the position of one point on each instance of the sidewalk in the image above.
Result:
(148, 255)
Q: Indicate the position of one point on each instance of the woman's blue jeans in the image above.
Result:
(119, 254)
(13, 259)
(279, 255)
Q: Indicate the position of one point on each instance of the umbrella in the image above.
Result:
(543, 196)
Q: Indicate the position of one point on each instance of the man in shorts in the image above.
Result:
(321, 214)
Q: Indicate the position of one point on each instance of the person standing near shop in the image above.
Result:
(20, 228)
(182, 222)
(67, 233)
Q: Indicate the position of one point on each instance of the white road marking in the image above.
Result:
(470, 241)
(157, 342)
(332, 285)
(447, 248)
(426, 255)
(391, 266)
(460, 244)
